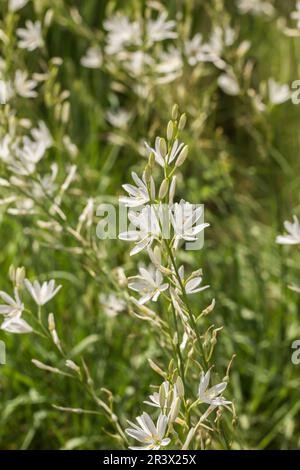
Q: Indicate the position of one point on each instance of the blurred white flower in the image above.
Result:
(119, 118)
(211, 396)
(15, 5)
(228, 83)
(147, 228)
(293, 236)
(112, 305)
(160, 29)
(93, 58)
(151, 435)
(278, 93)
(13, 306)
(169, 66)
(16, 326)
(256, 7)
(6, 91)
(149, 283)
(295, 15)
(139, 194)
(121, 33)
(23, 86)
(42, 294)
(31, 36)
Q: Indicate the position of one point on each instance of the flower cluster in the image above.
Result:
(157, 217)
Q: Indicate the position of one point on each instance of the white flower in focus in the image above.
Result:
(278, 93)
(147, 228)
(228, 84)
(31, 36)
(13, 306)
(41, 294)
(153, 437)
(212, 396)
(92, 59)
(119, 118)
(293, 236)
(149, 284)
(139, 194)
(184, 219)
(23, 86)
(160, 29)
(295, 15)
(111, 304)
(15, 5)
(256, 7)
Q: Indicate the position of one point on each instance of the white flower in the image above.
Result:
(293, 236)
(150, 435)
(15, 5)
(92, 59)
(160, 29)
(295, 15)
(12, 310)
(159, 152)
(147, 228)
(121, 33)
(111, 304)
(13, 306)
(191, 286)
(23, 86)
(119, 118)
(278, 93)
(41, 294)
(138, 195)
(6, 91)
(170, 65)
(31, 36)
(149, 283)
(42, 134)
(16, 325)
(211, 396)
(256, 7)
(228, 84)
(184, 218)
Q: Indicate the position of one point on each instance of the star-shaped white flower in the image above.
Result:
(211, 396)
(293, 235)
(151, 435)
(149, 283)
(42, 293)
(31, 36)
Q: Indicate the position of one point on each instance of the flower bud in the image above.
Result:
(182, 122)
(163, 147)
(175, 112)
(162, 396)
(182, 156)
(180, 387)
(175, 408)
(163, 188)
(170, 130)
